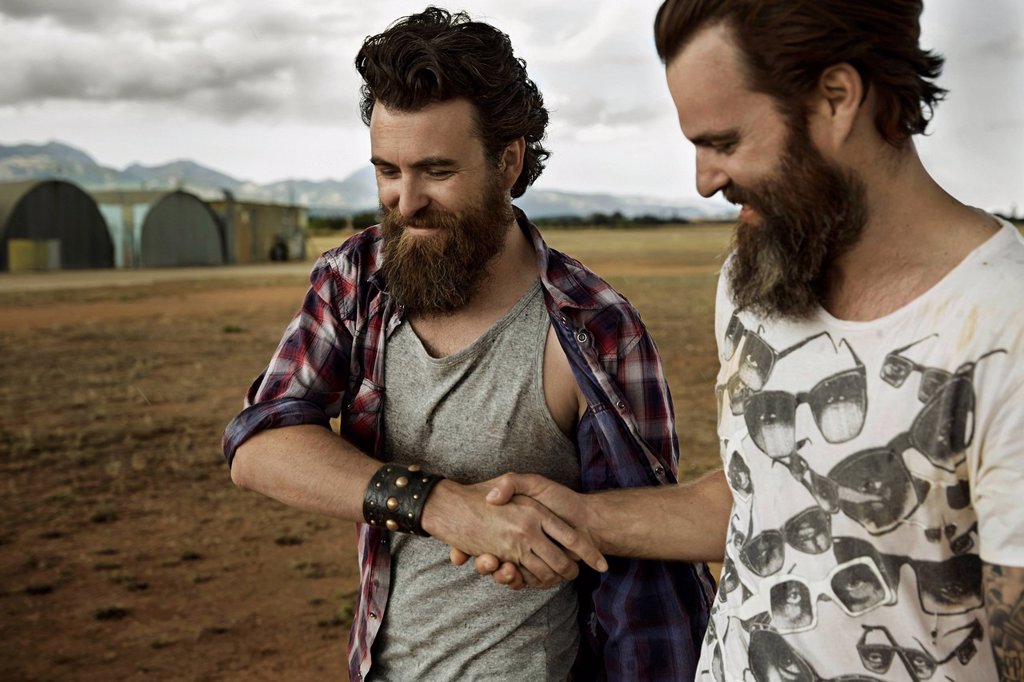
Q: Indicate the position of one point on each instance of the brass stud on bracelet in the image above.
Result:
(414, 467)
(396, 498)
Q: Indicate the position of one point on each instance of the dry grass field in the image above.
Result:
(126, 553)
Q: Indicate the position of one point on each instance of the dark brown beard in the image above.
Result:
(811, 213)
(438, 274)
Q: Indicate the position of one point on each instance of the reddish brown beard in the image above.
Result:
(439, 273)
(811, 212)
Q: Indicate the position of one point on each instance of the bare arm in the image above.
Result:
(1004, 602)
(311, 468)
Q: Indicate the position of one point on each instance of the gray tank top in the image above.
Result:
(472, 416)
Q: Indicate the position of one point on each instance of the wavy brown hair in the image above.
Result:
(787, 44)
(436, 56)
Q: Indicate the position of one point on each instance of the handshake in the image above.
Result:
(523, 529)
(526, 529)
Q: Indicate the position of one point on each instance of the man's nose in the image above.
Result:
(710, 176)
(412, 197)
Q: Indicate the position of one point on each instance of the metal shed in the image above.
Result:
(260, 232)
(154, 228)
(51, 224)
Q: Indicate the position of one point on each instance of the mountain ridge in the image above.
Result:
(354, 194)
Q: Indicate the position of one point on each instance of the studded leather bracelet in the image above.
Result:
(396, 496)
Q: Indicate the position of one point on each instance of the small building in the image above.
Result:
(156, 228)
(50, 225)
(257, 232)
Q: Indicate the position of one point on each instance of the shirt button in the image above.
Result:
(659, 470)
(621, 405)
(373, 615)
(582, 336)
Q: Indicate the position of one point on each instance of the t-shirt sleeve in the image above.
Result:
(997, 478)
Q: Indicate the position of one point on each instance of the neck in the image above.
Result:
(916, 233)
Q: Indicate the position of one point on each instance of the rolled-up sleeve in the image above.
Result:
(307, 375)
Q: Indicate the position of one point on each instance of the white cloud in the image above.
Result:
(266, 90)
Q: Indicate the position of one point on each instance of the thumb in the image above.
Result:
(505, 487)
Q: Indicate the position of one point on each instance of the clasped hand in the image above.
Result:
(525, 536)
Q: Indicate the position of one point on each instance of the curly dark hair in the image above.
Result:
(436, 56)
(787, 44)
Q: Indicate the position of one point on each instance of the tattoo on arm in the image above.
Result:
(1004, 601)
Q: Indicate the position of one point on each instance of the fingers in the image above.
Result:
(576, 545)
(530, 579)
(486, 564)
(510, 576)
(555, 560)
(458, 557)
(538, 571)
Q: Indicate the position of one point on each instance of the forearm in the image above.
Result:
(685, 522)
(308, 467)
(1004, 602)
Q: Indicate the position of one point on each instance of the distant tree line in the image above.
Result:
(336, 223)
(616, 220)
(606, 220)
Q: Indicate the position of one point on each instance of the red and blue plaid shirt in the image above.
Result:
(641, 620)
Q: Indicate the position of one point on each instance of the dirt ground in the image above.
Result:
(125, 551)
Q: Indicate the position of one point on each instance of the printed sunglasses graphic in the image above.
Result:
(789, 603)
(920, 664)
(809, 532)
(771, 659)
(948, 587)
(838, 404)
(944, 428)
(757, 361)
(874, 487)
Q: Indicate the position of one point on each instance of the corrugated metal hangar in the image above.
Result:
(50, 225)
(155, 228)
(54, 224)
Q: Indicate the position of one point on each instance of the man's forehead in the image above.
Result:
(708, 84)
(438, 129)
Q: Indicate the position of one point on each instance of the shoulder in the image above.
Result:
(358, 255)
(341, 273)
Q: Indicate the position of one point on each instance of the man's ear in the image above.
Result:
(510, 164)
(836, 105)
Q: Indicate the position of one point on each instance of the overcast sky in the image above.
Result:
(265, 90)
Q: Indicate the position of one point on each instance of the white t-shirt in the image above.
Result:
(874, 466)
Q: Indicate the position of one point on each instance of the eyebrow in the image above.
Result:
(428, 162)
(718, 137)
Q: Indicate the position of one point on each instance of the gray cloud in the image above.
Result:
(225, 65)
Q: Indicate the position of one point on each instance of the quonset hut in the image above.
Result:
(260, 232)
(153, 228)
(50, 225)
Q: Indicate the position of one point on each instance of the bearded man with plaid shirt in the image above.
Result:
(454, 345)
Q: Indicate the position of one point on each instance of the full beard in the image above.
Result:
(439, 273)
(811, 212)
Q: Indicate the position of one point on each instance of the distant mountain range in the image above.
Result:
(354, 194)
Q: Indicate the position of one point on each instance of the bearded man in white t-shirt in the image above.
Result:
(871, 390)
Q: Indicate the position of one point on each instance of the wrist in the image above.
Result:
(592, 521)
(446, 505)
(396, 496)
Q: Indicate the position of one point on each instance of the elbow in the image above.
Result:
(240, 471)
